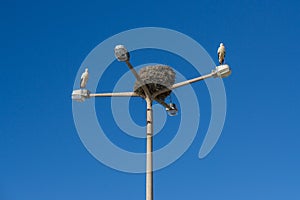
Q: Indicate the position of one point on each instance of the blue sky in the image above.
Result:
(43, 45)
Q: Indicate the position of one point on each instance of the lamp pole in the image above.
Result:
(149, 159)
(122, 54)
(149, 134)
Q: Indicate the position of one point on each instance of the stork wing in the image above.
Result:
(81, 82)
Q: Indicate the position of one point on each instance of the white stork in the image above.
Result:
(221, 53)
(84, 78)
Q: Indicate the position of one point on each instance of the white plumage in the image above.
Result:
(221, 53)
(84, 78)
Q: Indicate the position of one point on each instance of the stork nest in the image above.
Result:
(156, 78)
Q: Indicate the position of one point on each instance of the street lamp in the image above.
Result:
(121, 53)
(146, 91)
(80, 95)
(172, 111)
(222, 71)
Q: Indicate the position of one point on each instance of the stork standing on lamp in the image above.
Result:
(221, 53)
(84, 78)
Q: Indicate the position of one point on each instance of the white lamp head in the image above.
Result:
(172, 111)
(80, 95)
(222, 71)
(121, 53)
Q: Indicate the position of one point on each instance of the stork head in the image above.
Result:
(86, 69)
(221, 44)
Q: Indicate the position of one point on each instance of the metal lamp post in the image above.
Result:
(122, 55)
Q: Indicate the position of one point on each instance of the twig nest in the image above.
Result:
(156, 78)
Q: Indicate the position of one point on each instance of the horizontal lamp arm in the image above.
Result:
(183, 83)
(115, 94)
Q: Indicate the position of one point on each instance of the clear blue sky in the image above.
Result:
(43, 43)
